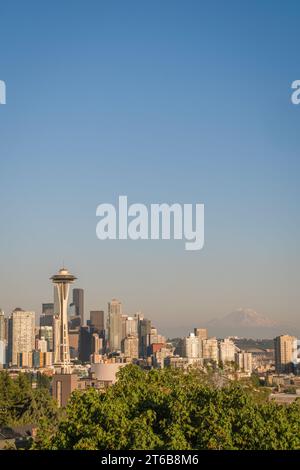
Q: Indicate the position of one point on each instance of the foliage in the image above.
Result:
(170, 409)
(43, 381)
(21, 404)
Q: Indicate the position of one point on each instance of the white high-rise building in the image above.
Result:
(131, 326)
(244, 361)
(62, 281)
(2, 353)
(192, 347)
(114, 325)
(22, 333)
(227, 350)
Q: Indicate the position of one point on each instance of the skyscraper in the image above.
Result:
(78, 302)
(2, 326)
(123, 321)
(21, 334)
(192, 347)
(3, 342)
(46, 319)
(97, 322)
(85, 343)
(74, 343)
(97, 344)
(144, 330)
(200, 333)
(155, 337)
(130, 346)
(48, 308)
(62, 281)
(285, 353)
(131, 326)
(47, 333)
(114, 325)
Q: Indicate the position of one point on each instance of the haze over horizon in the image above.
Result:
(162, 103)
(242, 322)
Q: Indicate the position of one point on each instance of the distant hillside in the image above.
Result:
(247, 323)
(249, 344)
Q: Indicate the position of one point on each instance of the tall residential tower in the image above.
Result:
(114, 324)
(21, 334)
(285, 353)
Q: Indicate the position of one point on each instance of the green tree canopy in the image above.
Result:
(21, 404)
(171, 409)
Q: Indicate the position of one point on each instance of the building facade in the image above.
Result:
(78, 302)
(114, 325)
(227, 350)
(285, 353)
(130, 346)
(192, 347)
(21, 334)
(2, 326)
(210, 349)
(97, 322)
(200, 333)
(243, 361)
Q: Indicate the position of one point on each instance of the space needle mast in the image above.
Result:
(62, 281)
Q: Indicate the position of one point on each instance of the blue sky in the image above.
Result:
(165, 102)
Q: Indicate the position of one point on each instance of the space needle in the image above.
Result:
(62, 281)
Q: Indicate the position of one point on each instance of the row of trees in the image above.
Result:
(170, 409)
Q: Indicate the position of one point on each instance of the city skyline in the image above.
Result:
(72, 359)
(127, 339)
(243, 322)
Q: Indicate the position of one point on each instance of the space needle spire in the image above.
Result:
(62, 281)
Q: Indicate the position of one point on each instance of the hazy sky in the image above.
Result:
(173, 101)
